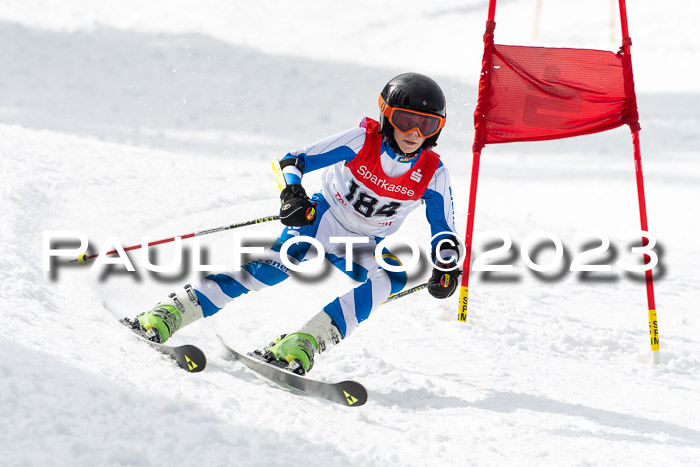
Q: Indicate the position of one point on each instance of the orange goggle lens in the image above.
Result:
(407, 121)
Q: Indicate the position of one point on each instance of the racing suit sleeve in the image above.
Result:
(342, 146)
(439, 211)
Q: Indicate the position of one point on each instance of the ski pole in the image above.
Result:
(403, 293)
(84, 258)
(409, 291)
(277, 171)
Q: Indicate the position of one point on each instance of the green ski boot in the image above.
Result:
(296, 349)
(160, 323)
(175, 312)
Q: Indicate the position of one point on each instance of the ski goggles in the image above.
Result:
(406, 120)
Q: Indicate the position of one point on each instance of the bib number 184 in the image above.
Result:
(366, 205)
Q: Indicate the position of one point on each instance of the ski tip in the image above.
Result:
(193, 360)
(354, 393)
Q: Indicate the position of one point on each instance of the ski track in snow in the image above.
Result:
(120, 120)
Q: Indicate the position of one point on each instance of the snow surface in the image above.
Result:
(130, 119)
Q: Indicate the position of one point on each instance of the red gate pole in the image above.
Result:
(634, 126)
(479, 141)
(464, 289)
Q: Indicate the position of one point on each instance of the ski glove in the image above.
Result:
(442, 284)
(297, 209)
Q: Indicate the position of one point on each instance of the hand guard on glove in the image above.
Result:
(297, 209)
(442, 284)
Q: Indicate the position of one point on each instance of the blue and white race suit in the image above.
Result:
(368, 190)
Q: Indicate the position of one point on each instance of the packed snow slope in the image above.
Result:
(126, 119)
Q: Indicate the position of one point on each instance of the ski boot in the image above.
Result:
(160, 323)
(297, 350)
(156, 325)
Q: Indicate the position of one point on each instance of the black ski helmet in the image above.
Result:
(413, 91)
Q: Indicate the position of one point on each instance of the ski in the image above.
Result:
(348, 393)
(188, 357)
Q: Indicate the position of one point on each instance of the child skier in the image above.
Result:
(377, 173)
